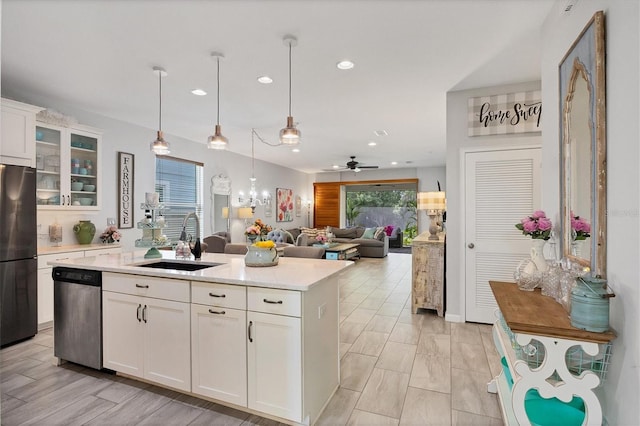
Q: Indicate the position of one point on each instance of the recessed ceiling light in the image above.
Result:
(380, 133)
(198, 92)
(265, 79)
(295, 150)
(335, 166)
(394, 163)
(372, 143)
(345, 65)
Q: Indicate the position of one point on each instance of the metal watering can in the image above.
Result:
(590, 304)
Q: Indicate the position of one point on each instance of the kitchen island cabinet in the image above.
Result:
(140, 316)
(260, 339)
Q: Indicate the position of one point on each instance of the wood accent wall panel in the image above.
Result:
(326, 206)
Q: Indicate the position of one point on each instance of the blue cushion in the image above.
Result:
(369, 233)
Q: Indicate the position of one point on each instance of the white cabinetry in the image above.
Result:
(45, 281)
(218, 342)
(275, 352)
(45, 285)
(18, 133)
(68, 163)
(146, 328)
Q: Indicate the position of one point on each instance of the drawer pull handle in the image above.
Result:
(217, 295)
(144, 314)
(142, 285)
(138, 313)
(250, 325)
(211, 311)
(279, 302)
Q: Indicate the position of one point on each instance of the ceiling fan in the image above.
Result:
(352, 165)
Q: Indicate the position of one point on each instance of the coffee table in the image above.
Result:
(342, 252)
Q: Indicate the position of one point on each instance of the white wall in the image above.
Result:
(457, 142)
(619, 394)
(122, 136)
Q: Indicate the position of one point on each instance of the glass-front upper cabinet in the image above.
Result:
(68, 165)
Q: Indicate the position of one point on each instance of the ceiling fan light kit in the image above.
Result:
(217, 141)
(290, 135)
(160, 146)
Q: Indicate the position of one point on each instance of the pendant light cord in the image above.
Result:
(160, 109)
(253, 158)
(218, 81)
(289, 78)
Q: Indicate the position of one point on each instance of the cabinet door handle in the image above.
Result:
(144, 314)
(142, 285)
(217, 295)
(138, 312)
(279, 302)
(68, 200)
(211, 311)
(250, 325)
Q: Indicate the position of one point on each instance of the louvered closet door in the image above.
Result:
(501, 187)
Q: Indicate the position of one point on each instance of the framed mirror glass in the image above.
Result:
(220, 203)
(583, 148)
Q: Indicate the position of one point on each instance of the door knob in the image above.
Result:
(471, 245)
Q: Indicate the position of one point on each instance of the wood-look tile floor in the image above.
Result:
(397, 368)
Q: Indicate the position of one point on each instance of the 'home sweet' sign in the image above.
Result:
(505, 114)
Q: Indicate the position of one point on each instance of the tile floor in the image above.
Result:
(397, 368)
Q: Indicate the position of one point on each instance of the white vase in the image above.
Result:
(537, 254)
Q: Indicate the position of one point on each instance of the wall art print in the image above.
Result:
(284, 201)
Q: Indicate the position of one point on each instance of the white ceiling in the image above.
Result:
(98, 55)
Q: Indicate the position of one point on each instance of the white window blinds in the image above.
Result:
(180, 184)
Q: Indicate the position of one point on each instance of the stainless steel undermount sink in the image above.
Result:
(178, 265)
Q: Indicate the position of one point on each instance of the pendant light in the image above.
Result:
(217, 141)
(160, 146)
(289, 135)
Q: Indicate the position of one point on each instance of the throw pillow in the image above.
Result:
(379, 233)
(394, 233)
(344, 233)
(311, 232)
(369, 233)
(389, 229)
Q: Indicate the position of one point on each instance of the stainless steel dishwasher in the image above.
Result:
(77, 316)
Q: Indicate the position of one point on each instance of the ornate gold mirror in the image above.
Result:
(583, 148)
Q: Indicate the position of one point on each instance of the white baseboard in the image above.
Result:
(452, 318)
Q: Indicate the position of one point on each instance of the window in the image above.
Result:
(180, 184)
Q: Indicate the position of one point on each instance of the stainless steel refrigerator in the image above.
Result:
(18, 254)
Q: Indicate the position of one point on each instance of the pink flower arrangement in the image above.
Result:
(321, 238)
(538, 226)
(258, 228)
(581, 227)
(110, 235)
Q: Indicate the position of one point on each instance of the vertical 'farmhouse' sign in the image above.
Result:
(125, 190)
(505, 114)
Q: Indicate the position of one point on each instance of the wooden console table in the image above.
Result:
(528, 317)
(427, 278)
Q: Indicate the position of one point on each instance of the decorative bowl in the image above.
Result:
(85, 201)
(83, 171)
(89, 188)
(77, 186)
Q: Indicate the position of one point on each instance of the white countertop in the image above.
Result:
(290, 273)
(42, 250)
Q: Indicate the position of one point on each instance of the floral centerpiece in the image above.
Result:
(110, 235)
(537, 226)
(321, 239)
(259, 228)
(580, 227)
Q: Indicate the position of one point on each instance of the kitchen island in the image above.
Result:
(264, 340)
